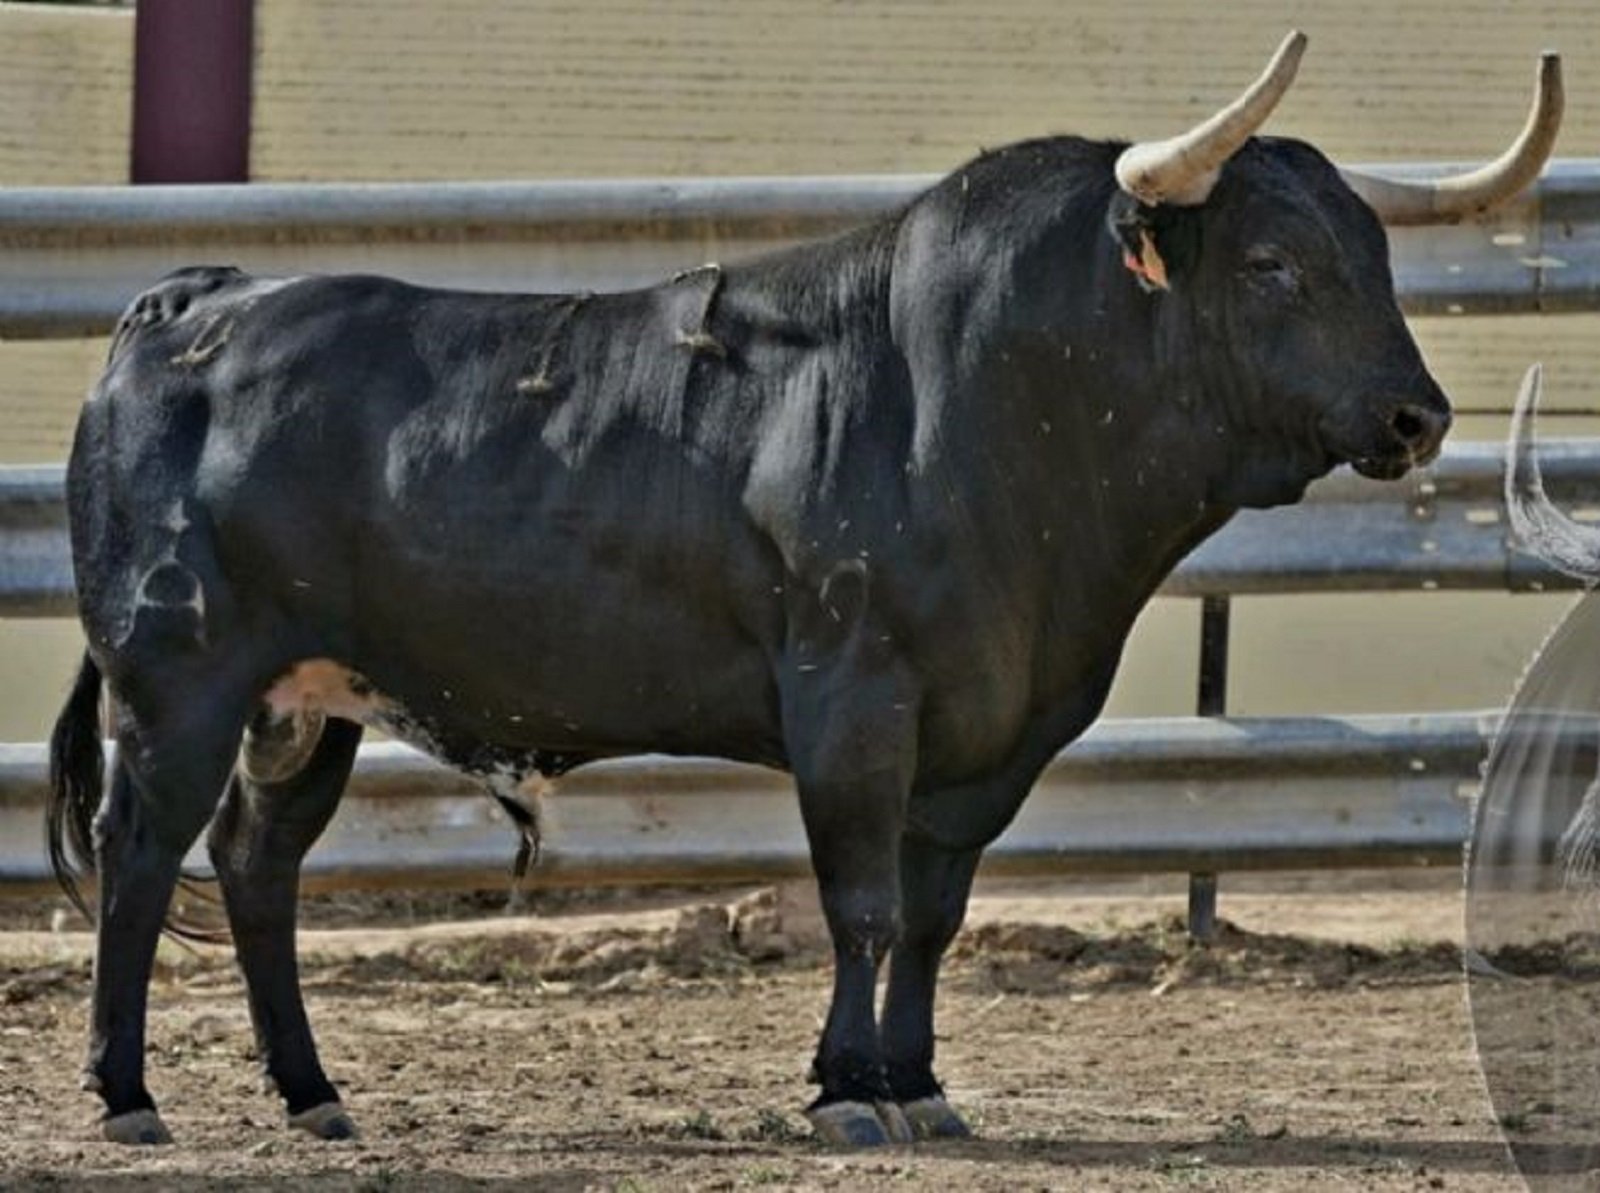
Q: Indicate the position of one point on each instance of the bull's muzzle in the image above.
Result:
(1420, 429)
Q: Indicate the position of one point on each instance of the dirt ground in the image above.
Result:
(1321, 1042)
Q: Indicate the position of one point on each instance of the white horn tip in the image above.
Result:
(1532, 382)
(1287, 56)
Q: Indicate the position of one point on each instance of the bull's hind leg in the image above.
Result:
(170, 772)
(934, 885)
(258, 840)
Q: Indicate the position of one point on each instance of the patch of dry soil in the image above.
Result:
(665, 1049)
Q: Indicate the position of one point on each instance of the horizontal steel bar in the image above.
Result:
(71, 258)
(1186, 794)
(1442, 527)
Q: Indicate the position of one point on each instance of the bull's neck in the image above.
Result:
(1095, 447)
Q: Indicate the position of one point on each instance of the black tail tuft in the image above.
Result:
(77, 776)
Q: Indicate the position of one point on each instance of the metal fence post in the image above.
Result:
(1211, 701)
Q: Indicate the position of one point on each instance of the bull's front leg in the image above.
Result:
(850, 708)
(935, 883)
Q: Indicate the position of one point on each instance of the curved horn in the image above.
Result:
(1447, 200)
(1182, 170)
(1538, 526)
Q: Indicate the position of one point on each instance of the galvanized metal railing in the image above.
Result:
(1200, 795)
(1131, 796)
(70, 258)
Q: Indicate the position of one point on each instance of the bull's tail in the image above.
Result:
(77, 775)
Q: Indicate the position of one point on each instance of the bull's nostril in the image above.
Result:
(1410, 424)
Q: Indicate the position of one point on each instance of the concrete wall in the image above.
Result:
(451, 89)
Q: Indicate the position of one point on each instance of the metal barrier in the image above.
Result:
(1130, 796)
(70, 258)
(1199, 795)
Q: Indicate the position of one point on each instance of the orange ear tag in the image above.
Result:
(1148, 266)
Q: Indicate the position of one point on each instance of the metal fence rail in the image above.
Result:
(70, 258)
(1130, 796)
(1441, 527)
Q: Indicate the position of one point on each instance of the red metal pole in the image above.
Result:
(191, 90)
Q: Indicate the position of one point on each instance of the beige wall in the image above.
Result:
(442, 89)
(66, 108)
(66, 95)
(494, 89)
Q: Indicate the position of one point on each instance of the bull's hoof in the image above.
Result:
(859, 1124)
(327, 1121)
(932, 1118)
(136, 1127)
(895, 1123)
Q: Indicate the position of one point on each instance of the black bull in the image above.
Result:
(880, 511)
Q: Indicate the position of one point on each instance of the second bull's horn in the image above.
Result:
(1448, 200)
(1540, 528)
(1182, 170)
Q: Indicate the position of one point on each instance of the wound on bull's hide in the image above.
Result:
(699, 339)
(213, 335)
(542, 380)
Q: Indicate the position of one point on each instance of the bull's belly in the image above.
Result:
(481, 716)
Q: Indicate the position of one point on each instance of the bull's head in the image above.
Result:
(1277, 263)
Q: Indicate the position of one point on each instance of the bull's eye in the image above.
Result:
(1267, 268)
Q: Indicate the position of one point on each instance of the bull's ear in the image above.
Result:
(1155, 242)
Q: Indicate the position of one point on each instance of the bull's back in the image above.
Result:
(485, 503)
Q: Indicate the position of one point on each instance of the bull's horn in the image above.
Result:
(1538, 526)
(1183, 169)
(1448, 200)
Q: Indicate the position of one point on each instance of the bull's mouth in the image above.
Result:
(1391, 466)
(1412, 437)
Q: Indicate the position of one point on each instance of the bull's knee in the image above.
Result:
(277, 748)
(864, 921)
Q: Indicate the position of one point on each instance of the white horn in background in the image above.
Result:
(1538, 526)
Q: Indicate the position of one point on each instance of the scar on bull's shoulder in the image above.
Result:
(213, 335)
(700, 340)
(540, 381)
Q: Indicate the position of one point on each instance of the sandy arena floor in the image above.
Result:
(1321, 1043)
